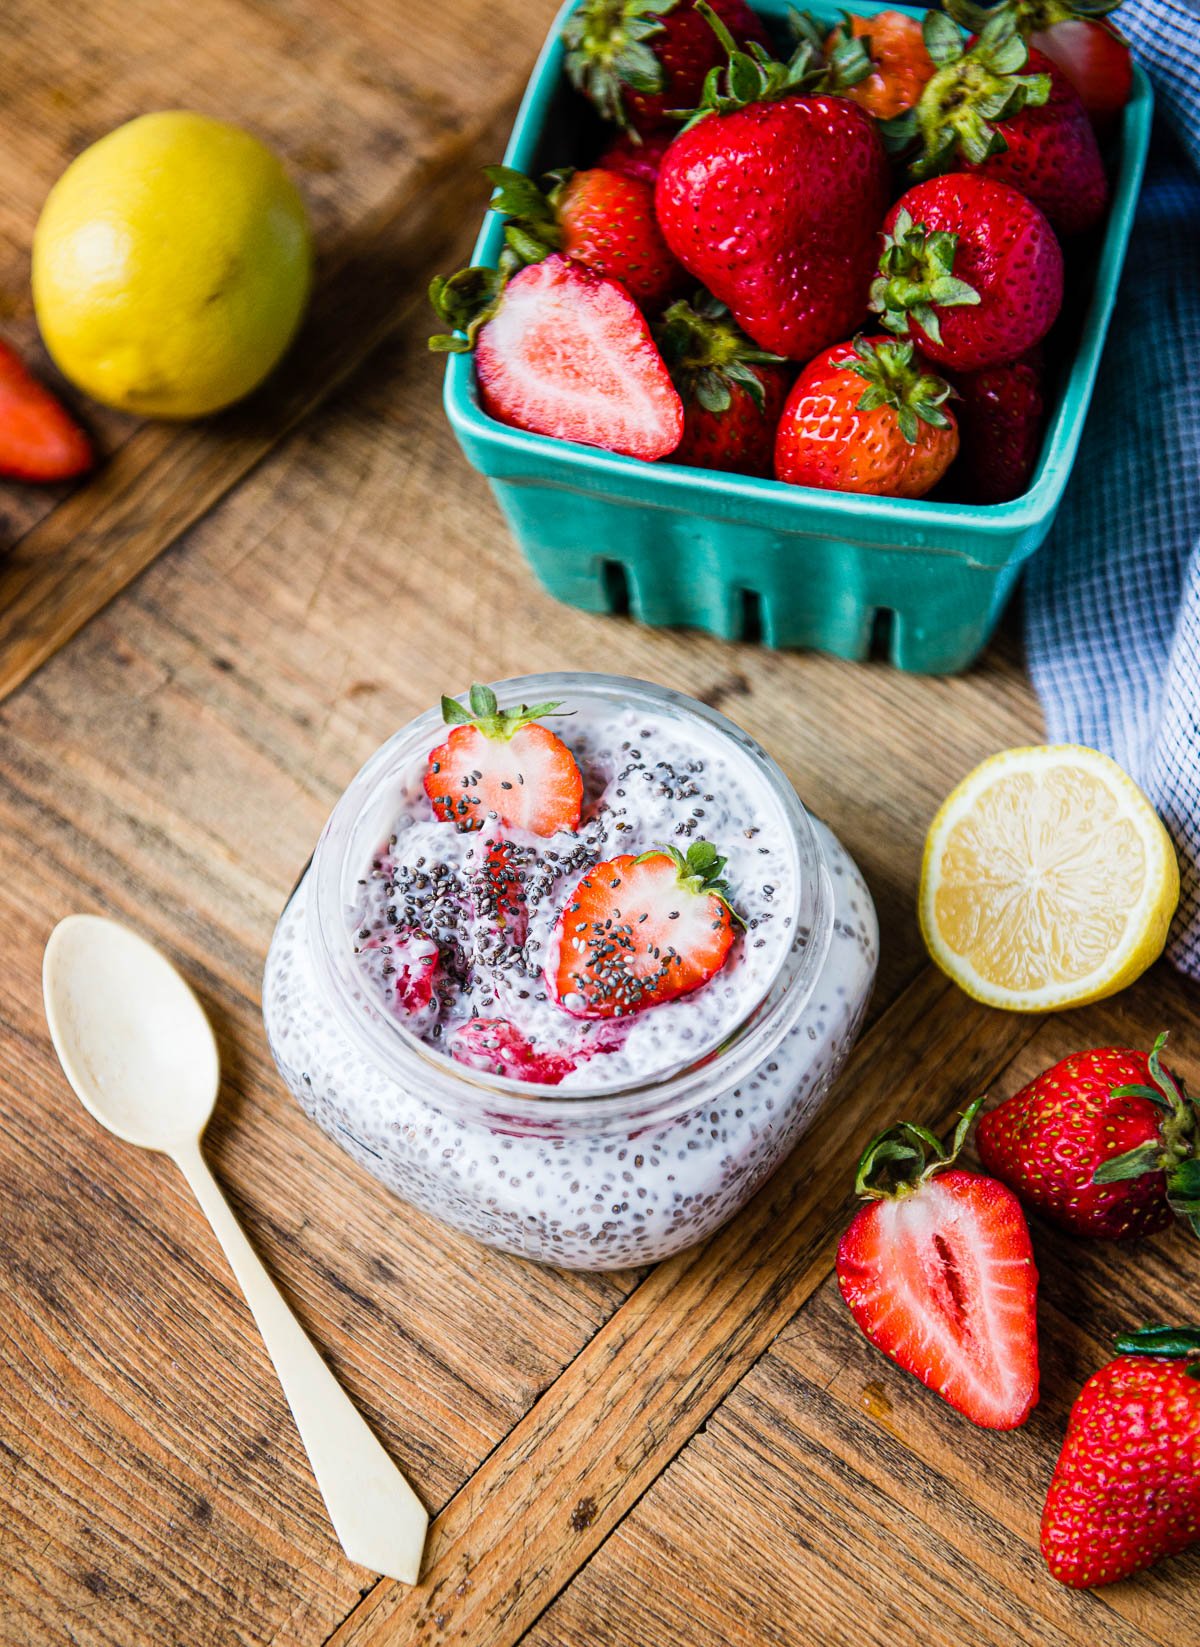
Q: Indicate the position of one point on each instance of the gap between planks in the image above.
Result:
(541, 1504)
(165, 477)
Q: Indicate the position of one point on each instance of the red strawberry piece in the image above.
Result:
(602, 219)
(900, 64)
(501, 892)
(561, 351)
(867, 417)
(411, 968)
(938, 1271)
(640, 60)
(1105, 1143)
(970, 270)
(775, 207)
(1000, 413)
(498, 1048)
(1126, 1488)
(637, 157)
(38, 439)
(638, 931)
(501, 766)
(732, 391)
(997, 107)
(1073, 33)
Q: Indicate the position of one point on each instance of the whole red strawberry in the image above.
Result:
(1001, 411)
(773, 201)
(732, 391)
(970, 270)
(867, 417)
(635, 156)
(39, 440)
(600, 218)
(640, 60)
(938, 1271)
(1001, 108)
(1104, 1143)
(1074, 34)
(639, 931)
(500, 766)
(545, 341)
(900, 63)
(1126, 1488)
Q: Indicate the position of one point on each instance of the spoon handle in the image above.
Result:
(378, 1518)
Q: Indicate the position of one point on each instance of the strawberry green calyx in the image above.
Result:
(754, 76)
(487, 715)
(916, 277)
(699, 872)
(1172, 1343)
(895, 378)
(1031, 16)
(607, 51)
(905, 1156)
(708, 354)
(466, 301)
(1176, 1150)
(970, 92)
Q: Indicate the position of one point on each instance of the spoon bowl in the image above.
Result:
(132, 1038)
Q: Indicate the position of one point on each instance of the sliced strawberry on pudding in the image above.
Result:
(498, 1048)
(499, 765)
(503, 892)
(638, 931)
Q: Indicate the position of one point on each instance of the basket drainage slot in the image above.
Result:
(615, 583)
(751, 627)
(882, 633)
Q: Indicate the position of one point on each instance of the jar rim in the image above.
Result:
(450, 1084)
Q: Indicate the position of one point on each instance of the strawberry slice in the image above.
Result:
(563, 351)
(938, 1272)
(499, 892)
(413, 962)
(498, 1048)
(637, 931)
(499, 765)
(38, 439)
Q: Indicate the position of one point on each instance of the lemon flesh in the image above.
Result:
(171, 265)
(1048, 880)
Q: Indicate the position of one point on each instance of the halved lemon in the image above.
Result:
(1048, 880)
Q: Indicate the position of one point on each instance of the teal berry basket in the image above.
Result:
(923, 581)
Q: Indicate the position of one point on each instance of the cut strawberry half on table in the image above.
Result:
(562, 351)
(38, 438)
(501, 766)
(937, 1270)
(497, 1047)
(638, 931)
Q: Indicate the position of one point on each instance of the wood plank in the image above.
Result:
(568, 1472)
(394, 188)
(844, 1502)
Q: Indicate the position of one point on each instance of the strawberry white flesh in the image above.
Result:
(569, 354)
(942, 1280)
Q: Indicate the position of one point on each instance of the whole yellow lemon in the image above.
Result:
(171, 265)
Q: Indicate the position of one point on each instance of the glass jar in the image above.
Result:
(590, 1177)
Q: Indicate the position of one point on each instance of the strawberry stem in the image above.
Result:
(916, 276)
(1176, 1150)
(895, 378)
(707, 354)
(1159, 1340)
(969, 95)
(699, 872)
(904, 1156)
(486, 713)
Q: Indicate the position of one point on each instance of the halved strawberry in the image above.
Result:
(39, 440)
(938, 1272)
(562, 351)
(637, 931)
(499, 765)
(498, 1048)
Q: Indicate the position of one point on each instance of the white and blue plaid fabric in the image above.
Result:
(1112, 602)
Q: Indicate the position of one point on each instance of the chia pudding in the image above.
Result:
(471, 1013)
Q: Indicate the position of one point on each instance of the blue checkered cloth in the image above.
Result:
(1112, 602)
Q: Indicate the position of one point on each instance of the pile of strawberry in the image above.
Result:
(937, 1269)
(874, 221)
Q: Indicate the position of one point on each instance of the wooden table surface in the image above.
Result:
(698, 1454)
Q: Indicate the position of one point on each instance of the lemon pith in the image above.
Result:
(171, 265)
(1048, 880)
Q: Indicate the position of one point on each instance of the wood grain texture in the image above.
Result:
(843, 1502)
(368, 108)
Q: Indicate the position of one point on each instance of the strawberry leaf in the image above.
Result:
(1135, 1163)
